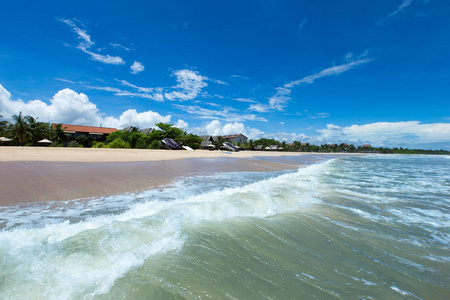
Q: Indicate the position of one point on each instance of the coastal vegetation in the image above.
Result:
(28, 131)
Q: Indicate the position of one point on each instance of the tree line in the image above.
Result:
(27, 131)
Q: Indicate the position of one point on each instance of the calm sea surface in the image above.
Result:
(372, 227)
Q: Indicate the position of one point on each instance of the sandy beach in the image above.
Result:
(33, 174)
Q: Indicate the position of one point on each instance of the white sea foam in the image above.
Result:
(67, 260)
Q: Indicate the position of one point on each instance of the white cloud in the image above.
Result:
(279, 101)
(240, 77)
(390, 133)
(119, 46)
(189, 87)
(300, 26)
(190, 83)
(223, 114)
(181, 124)
(248, 100)
(68, 106)
(402, 6)
(217, 127)
(137, 67)
(132, 118)
(107, 59)
(65, 80)
(320, 115)
(86, 43)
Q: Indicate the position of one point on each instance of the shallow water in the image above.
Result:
(349, 228)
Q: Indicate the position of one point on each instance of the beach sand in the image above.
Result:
(34, 174)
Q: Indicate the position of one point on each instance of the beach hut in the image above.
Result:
(45, 142)
(5, 140)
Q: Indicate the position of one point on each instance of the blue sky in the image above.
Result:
(313, 71)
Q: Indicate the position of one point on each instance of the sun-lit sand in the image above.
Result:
(118, 155)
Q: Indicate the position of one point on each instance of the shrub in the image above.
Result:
(74, 144)
(119, 143)
(155, 145)
(96, 144)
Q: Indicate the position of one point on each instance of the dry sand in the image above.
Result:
(117, 155)
(32, 174)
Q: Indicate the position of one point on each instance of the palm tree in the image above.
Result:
(58, 135)
(38, 130)
(20, 130)
(219, 142)
(3, 125)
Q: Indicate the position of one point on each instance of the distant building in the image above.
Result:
(74, 132)
(366, 146)
(147, 130)
(129, 129)
(236, 138)
(208, 141)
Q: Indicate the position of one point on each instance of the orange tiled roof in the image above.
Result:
(88, 129)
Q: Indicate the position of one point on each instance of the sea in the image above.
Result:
(361, 227)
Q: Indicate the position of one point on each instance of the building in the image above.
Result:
(208, 141)
(86, 134)
(236, 138)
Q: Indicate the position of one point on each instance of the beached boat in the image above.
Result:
(230, 146)
(170, 144)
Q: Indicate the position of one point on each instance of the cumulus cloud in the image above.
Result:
(70, 107)
(181, 124)
(132, 118)
(217, 127)
(86, 43)
(380, 134)
(137, 67)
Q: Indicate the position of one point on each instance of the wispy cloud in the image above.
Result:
(247, 100)
(300, 26)
(86, 43)
(402, 6)
(189, 86)
(313, 116)
(279, 101)
(190, 83)
(239, 77)
(225, 114)
(136, 68)
(65, 80)
(121, 47)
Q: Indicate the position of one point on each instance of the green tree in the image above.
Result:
(119, 143)
(58, 135)
(20, 130)
(169, 131)
(219, 142)
(3, 126)
(38, 130)
(190, 140)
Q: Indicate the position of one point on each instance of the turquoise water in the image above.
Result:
(372, 227)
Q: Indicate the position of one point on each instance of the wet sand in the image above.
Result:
(50, 174)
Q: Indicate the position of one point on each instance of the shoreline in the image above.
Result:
(61, 174)
(65, 154)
